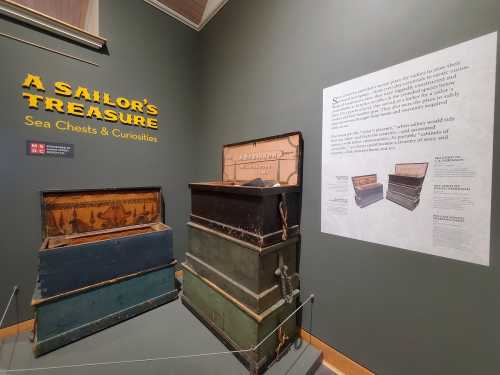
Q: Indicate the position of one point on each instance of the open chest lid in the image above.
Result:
(411, 169)
(277, 158)
(360, 181)
(81, 211)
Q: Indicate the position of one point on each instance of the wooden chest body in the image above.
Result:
(249, 214)
(245, 271)
(413, 182)
(406, 183)
(367, 190)
(408, 202)
(241, 270)
(106, 257)
(238, 327)
(92, 236)
(69, 317)
(409, 190)
(262, 215)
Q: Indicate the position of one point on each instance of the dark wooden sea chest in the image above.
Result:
(266, 212)
(406, 201)
(257, 277)
(237, 326)
(92, 236)
(71, 316)
(406, 183)
(410, 174)
(367, 190)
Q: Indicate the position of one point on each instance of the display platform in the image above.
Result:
(170, 330)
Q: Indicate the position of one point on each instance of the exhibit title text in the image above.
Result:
(132, 112)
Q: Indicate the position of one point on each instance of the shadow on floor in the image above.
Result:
(169, 330)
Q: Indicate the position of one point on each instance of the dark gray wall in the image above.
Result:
(263, 66)
(150, 56)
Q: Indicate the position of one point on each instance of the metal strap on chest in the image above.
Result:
(282, 341)
(285, 280)
(284, 216)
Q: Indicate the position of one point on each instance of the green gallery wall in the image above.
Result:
(150, 55)
(263, 67)
(257, 69)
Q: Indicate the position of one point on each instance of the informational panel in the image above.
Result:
(407, 153)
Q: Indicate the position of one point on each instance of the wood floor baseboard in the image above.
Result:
(25, 326)
(333, 359)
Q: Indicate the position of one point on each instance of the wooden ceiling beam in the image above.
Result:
(191, 9)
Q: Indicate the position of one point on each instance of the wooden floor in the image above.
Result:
(169, 330)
